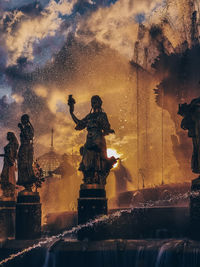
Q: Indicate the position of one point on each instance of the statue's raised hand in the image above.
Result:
(20, 125)
(71, 102)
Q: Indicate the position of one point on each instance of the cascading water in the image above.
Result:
(145, 253)
(53, 250)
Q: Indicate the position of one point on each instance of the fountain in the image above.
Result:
(152, 232)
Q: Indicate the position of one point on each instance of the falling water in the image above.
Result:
(47, 242)
(71, 232)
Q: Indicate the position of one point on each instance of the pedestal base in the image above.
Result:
(28, 216)
(92, 202)
(7, 219)
(195, 209)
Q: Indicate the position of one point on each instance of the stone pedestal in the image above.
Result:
(28, 215)
(7, 218)
(195, 209)
(92, 202)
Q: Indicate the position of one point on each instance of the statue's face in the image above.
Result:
(24, 120)
(9, 136)
(95, 103)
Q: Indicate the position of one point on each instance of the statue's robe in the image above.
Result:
(95, 165)
(8, 179)
(26, 174)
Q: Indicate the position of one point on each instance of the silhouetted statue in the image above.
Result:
(181, 146)
(95, 164)
(8, 180)
(122, 176)
(26, 175)
(191, 122)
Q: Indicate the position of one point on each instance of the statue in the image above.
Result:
(26, 176)
(122, 176)
(8, 181)
(191, 122)
(95, 164)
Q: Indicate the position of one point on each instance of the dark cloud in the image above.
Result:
(22, 4)
(32, 9)
(158, 38)
(8, 113)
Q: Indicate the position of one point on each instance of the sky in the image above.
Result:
(43, 45)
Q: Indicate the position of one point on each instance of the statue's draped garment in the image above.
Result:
(95, 164)
(8, 179)
(25, 157)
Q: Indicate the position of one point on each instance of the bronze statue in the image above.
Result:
(122, 176)
(8, 180)
(191, 122)
(26, 176)
(95, 164)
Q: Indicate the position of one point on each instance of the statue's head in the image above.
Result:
(11, 137)
(183, 109)
(24, 119)
(96, 102)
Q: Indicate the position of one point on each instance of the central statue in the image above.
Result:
(95, 164)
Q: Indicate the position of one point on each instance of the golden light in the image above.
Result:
(113, 153)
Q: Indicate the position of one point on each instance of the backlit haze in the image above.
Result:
(50, 49)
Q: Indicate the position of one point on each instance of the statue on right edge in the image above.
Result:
(191, 122)
(95, 164)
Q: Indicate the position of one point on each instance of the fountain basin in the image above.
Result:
(155, 222)
(114, 253)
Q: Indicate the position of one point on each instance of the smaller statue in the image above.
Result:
(191, 122)
(122, 176)
(95, 164)
(8, 180)
(26, 176)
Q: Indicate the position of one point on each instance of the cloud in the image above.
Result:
(116, 25)
(30, 31)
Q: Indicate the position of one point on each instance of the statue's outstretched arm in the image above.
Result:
(106, 125)
(71, 102)
(75, 119)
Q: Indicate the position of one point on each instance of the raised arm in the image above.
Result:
(71, 102)
(106, 125)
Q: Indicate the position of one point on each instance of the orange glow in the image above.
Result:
(113, 153)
